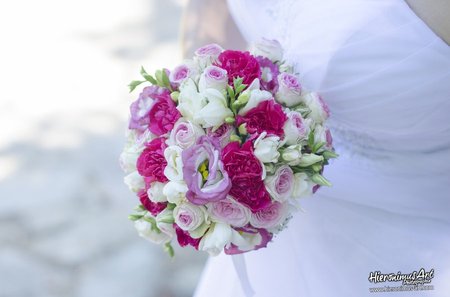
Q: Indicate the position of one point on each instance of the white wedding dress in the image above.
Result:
(386, 78)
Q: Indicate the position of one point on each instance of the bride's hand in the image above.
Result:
(208, 21)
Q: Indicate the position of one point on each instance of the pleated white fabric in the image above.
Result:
(386, 77)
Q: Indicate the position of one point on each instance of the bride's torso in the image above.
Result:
(384, 73)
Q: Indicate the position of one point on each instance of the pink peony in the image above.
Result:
(266, 116)
(153, 207)
(151, 163)
(184, 238)
(245, 172)
(239, 64)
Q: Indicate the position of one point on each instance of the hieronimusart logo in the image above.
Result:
(414, 281)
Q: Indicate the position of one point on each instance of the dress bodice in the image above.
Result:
(383, 72)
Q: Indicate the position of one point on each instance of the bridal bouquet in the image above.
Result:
(220, 149)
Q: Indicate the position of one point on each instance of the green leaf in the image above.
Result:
(140, 208)
(311, 139)
(165, 80)
(167, 220)
(240, 88)
(171, 206)
(231, 93)
(135, 217)
(317, 146)
(148, 77)
(132, 85)
(152, 221)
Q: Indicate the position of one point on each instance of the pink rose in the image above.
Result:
(209, 50)
(163, 115)
(280, 185)
(289, 89)
(153, 207)
(151, 163)
(184, 238)
(266, 116)
(270, 217)
(296, 128)
(229, 211)
(255, 239)
(245, 171)
(239, 64)
(213, 77)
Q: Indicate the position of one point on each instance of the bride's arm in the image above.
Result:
(435, 14)
(208, 21)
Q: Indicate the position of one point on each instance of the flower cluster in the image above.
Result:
(220, 148)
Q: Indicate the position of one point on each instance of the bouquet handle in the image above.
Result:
(241, 271)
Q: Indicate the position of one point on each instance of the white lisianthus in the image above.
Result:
(319, 109)
(309, 159)
(133, 148)
(184, 133)
(296, 128)
(190, 101)
(190, 217)
(269, 48)
(214, 113)
(281, 184)
(164, 222)
(303, 186)
(174, 168)
(292, 154)
(128, 159)
(289, 89)
(134, 181)
(266, 148)
(218, 235)
(213, 77)
(175, 191)
(155, 192)
(255, 97)
(150, 233)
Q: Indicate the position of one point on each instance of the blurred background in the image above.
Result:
(64, 70)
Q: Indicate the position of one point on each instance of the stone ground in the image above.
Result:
(63, 109)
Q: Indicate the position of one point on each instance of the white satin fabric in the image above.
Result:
(386, 78)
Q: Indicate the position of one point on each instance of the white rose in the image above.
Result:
(174, 168)
(155, 193)
(281, 184)
(266, 148)
(292, 155)
(148, 232)
(269, 48)
(319, 109)
(213, 77)
(296, 128)
(134, 181)
(175, 191)
(214, 113)
(303, 186)
(289, 89)
(322, 134)
(190, 101)
(184, 133)
(189, 217)
(218, 235)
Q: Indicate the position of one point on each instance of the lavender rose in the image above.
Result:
(213, 77)
(208, 54)
(203, 172)
(289, 89)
